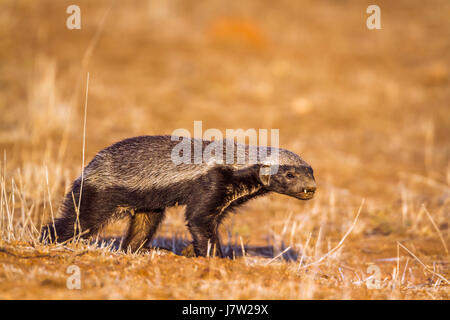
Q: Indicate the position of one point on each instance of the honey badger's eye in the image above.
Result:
(290, 175)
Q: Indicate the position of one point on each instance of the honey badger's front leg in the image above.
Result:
(204, 218)
(201, 215)
(204, 230)
(212, 198)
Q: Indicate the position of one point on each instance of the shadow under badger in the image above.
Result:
(137, 177)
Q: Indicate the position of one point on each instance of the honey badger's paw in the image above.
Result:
(188, 251)
(144, 251)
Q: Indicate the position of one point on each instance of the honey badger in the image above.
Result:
(138, 177)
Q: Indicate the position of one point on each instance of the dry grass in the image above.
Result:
(368, 109)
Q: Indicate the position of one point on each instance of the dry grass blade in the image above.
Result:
(437, 229)
(277, 256)
(340, 242)
(243, 250)
(84, 139)
(423, 264)
(304, 251)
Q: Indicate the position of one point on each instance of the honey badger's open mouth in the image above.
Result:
(306, 194)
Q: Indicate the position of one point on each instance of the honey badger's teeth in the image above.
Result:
(304, 191)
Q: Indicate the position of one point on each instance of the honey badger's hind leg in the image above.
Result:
(95, 209)
(141, 229)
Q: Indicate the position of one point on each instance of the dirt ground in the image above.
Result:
(368, 109)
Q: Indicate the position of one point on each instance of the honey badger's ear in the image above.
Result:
(264, 174)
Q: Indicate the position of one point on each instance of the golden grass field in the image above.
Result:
(368, 109)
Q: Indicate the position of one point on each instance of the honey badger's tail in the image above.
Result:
(61, 230)
(67, 225)
(80, 218)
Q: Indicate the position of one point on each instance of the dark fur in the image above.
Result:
(136, 177)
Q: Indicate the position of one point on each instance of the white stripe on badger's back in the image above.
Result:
(145, 162)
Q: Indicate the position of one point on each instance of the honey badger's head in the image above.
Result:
(290, 175)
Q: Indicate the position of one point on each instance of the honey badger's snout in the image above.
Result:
(294, 181)
(303, 185)
(308, 190)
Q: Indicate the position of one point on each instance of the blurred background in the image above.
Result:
(368, 109)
